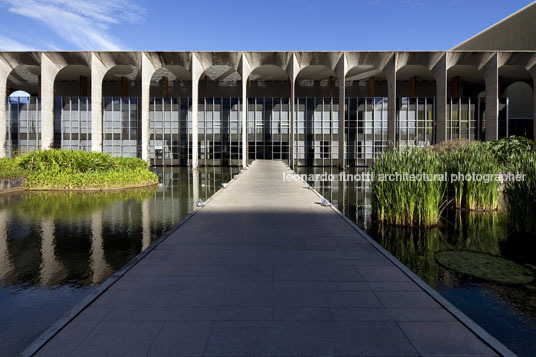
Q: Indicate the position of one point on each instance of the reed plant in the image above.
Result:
(466, 161)
(412, 203)
(520, 195)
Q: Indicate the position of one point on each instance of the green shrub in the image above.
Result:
(508, 149)
(80, 170)
(521, 195)
(474, 158)
(408, 202)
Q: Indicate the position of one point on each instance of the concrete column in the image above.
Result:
(99, 267)
(195, 187)
(147, 71)
(491, 78)
(245, 71)
(292, 72)
(145, 224)
(341, 76)
(49, 70)
(196, 71)
(51, 270)
(533, 74)
(5, 70)
(98, 71)
(5, 261)
(440, 75)
(390, 74)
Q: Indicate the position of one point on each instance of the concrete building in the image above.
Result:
(227, 108)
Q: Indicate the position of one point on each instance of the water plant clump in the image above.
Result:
(484, 266)
(79, 170)
(408, 202)
(463, 162)
(520, 195)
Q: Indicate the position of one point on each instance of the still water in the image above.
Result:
(506, 312)
(56, 247)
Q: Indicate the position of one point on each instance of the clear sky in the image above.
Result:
(238, 25)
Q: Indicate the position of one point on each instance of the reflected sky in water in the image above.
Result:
(56, 247)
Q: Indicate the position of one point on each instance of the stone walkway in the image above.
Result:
(263, 269)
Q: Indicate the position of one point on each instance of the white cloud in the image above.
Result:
(84, 23)
(7, 44)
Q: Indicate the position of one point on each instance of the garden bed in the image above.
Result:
(67, 170)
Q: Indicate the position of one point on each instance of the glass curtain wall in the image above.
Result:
(365, 129)
(219, 123)
(72, 123)
(465, 118)
(504, 118)
(170, 131)
(415, 122)
(120, 129)
(317, 131)
(268, 128)
(23, 125)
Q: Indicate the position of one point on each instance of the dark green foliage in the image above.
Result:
(520, 195)
(508, 149)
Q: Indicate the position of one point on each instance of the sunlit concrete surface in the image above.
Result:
(264, 269)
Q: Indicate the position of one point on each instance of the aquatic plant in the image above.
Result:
(520, 195)
(465, 191)
(484, 266)
(407, 202)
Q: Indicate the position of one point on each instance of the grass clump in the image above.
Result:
(465, 191)
(81, 170)
(9, 168)
(520, 195)
(407, 202)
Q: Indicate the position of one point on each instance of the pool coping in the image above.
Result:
(475, 328)
(53, 330)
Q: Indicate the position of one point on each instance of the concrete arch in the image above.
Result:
(316, 80)
(415, 80)
(121, 80)
(73, 80)
(220, 80)
(365, 80)
(26, 78)
(172, 81)
(268, 80)
(465, 80)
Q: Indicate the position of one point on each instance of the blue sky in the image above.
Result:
(246, 25)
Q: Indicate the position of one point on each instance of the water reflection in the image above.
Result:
(507, 312)
(55, 247)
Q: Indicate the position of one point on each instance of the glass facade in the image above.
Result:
(268, 128)
(365, 129)
(170, 131)
(72, 123)
(317, 131)
(23, 125)
(120, 126)
(465, 118)
(220, 135)
(415, 121)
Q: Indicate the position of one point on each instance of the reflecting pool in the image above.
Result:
(507, 312)
(56, 247)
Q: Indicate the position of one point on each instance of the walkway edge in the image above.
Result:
(53, 330)
(491, 341)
